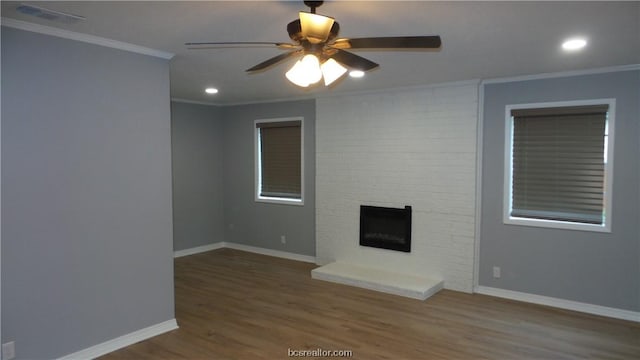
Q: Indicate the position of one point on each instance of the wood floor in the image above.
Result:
(236, 305)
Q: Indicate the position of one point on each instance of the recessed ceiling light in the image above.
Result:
(211, 90)
(574, 44)
(356, 74)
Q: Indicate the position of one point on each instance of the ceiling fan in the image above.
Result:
(322, 54)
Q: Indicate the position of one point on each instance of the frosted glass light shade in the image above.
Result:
(315, 28)
(305, 71)
(332, 71)
(296, 75)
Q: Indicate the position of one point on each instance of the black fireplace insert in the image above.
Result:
(385, 228)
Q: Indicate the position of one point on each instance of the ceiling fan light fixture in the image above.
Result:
(332, 71)
(315, 28)
(305, 72)
(315, 37)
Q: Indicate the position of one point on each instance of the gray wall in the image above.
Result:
(261, 224)
(86, 194)
(589, 267)
(196, 142)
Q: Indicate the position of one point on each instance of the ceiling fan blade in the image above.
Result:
(274, 60)
(354, 61)
(396, 42)
(225, 44)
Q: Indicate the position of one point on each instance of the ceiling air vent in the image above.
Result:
(48, 14)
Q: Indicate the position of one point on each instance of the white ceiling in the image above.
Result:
(480, 39)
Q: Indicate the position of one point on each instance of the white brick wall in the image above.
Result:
(414, 147)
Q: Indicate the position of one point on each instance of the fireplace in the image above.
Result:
(385, 228)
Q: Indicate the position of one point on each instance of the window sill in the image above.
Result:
(554, 224)
(281, 201)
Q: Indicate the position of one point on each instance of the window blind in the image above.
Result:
(558, 162)
(280, 159)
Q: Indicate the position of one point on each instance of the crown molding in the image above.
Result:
(187, 101)
(91, 39)
(402, 89)
(552, 75)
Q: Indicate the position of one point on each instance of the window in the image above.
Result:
(279, 160)
(558, 165)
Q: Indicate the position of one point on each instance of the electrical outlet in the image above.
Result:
(9, 350)
(283, 239)
(496, 272)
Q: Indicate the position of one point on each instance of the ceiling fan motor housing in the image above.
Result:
(294, 29)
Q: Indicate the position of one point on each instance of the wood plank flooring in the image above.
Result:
(237, 305)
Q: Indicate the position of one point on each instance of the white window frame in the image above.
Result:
(608, 170)
(258, 169)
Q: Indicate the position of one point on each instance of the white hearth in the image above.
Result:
(411, 286)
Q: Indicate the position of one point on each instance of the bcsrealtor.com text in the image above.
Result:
(319, 353)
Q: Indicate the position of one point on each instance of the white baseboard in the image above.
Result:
(560, 303)
(122, 341)
(270, 252)
(247, 248)
(198, 249)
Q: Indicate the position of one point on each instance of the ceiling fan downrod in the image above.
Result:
(313, 5)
